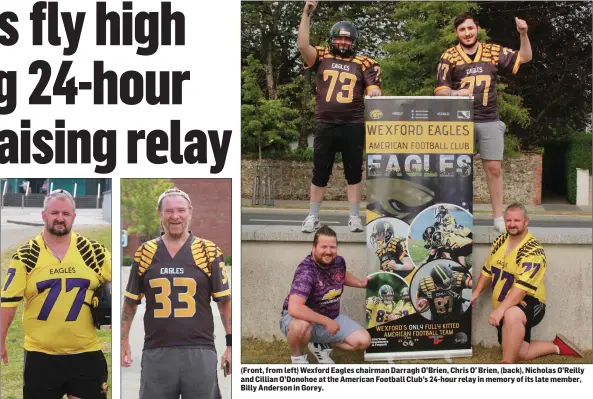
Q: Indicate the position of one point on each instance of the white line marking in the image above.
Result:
(287, 221)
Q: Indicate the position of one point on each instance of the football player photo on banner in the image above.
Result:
(419, 226)
(55, 246)
(176, 262)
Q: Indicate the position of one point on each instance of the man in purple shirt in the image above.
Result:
(311, 311)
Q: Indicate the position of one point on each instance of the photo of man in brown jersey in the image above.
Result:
(343, 78)
(178, 274)
(471, 69)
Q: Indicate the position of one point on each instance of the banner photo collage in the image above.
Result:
(419, 226)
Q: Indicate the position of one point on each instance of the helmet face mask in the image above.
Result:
(343, 29)
(442, 276)
(382, 234)
(427, 235)
(385, 291)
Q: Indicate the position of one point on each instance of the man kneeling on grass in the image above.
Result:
(311, 311)
(515, 269)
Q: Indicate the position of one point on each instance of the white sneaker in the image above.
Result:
(355, 224)
(321, 352)
(299, 359)
(499, 225)
(310, 224)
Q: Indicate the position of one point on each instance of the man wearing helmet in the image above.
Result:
(445, 244)
(404, 306)
(390, 250)
(381, 308)
(342, 78)
(445, 220)
(55, 274)
(442, 289)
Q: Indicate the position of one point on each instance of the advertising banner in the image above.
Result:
(419, 226)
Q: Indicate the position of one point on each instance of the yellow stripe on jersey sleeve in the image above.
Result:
(221, 294)
(134, 297)
(517, 64)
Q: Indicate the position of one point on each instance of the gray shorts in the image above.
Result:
(168, 373)
(489, 138)
(319, 334)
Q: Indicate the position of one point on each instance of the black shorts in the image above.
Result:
(330, 139)
(83, 375)
(466, 250)
(534, 311)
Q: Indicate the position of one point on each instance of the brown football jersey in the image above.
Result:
(178, 291)
(341, 86)
(457, 71)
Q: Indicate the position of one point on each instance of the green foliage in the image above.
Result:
(556, 84)
(138, 204)
(127, 260)
(413, 51)
(267, 126)
(579, 156)
(512, 147)
(228, 261)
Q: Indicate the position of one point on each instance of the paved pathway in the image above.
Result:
(130, 377)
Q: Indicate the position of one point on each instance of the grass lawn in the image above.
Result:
(12, 375)
(276, 352)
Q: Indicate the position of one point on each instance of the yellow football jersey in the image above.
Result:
(448, 220)
(453, 241)
(378, 311)
(55, 318)
(524, 267)
(404, 308)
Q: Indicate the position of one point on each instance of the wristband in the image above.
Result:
(229, 339)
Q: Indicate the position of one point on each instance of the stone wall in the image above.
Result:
(291, 180)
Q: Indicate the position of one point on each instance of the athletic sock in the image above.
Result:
(314, 208)
(354, 208)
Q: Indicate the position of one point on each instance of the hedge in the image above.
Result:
(578, 156)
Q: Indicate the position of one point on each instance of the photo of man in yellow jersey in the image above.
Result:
(404, 306)
(63, 278)
(381, 308)
(515, 269)
(442, 231)
(382, 297)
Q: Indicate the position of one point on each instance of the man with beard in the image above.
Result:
(311, 311)
(515, 269)
(56, 273)
(471, 69)
(343, 78)
(178, 274)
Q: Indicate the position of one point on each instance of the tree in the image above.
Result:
(266, 125)
(556, 83)
(138, 205)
